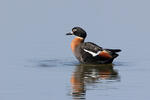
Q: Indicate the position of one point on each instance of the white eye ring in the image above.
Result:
(74, 30)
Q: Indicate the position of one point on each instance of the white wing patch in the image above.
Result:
(92, 53)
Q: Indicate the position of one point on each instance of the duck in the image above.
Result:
(88, 52)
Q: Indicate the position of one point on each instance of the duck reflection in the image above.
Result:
(88, 73)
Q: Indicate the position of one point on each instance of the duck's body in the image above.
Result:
(88, 52)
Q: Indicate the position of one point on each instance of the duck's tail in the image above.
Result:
(114, 50)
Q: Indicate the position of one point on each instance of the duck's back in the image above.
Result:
(89, 52)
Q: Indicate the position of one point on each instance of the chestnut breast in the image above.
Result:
(75, 42)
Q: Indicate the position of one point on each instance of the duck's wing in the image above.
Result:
(97, 51)
(91, 48)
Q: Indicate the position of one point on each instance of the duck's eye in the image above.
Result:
(74, 30)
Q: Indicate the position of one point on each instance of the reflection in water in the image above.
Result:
(86, 73)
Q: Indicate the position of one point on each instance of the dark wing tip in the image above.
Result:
(114, 50)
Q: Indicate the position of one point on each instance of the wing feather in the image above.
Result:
(92, 53)
(91, 47)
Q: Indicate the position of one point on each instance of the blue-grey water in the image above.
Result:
(36, 62)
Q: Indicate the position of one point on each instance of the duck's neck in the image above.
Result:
(75, 42)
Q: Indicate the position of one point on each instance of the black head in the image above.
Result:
(78, 31)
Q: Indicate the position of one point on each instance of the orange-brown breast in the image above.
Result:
(75, 42)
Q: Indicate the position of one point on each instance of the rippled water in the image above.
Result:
(86, 77)
(67, 79)
(82, 78)
(71, 80)
(36, 62)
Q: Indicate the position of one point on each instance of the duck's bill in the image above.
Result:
(70, 33)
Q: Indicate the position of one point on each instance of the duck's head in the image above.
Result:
(78, 31)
